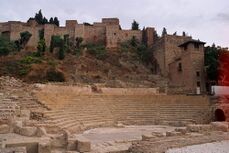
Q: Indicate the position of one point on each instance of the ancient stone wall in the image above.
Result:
(94, 34)
(48, 32)
(107, 32)
(188, 71)
(159, 56)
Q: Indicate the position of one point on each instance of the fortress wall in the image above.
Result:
(172, 51)
(60, 31)
(5, 27)
(33, 41)
(150, 36)
(179, 79)
(125, 35)
(115, 36)
(17, 27)
(94, 34)
(79, 30)
(48, 32)
(110, 21)
(159, 55)
(111, 36)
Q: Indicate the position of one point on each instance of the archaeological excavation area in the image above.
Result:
(61, 118)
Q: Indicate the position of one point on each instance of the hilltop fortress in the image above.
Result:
(179, 58)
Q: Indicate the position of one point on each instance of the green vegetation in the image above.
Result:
(135, 25)
(139, 48)
(164, 32)
(6, 46)
(43, 20)
(26, 62)
(211, 62)
(41, 47)
(99, 51)
(24, 39)
(62, 44)
(53, 75)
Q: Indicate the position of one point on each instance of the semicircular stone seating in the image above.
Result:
(80, 112)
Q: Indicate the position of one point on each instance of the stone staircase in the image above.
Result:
(90, 111)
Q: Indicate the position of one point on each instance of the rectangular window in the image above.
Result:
(185, 47)
(197, 73)
(198, 83)
(179, 67)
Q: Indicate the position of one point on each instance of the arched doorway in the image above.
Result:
(219, 115)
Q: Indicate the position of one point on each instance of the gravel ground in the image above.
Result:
(216, 147)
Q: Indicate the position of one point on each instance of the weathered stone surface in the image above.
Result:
(173, 133)
(72, 144)
(16, 126)
(58, 140)
(44, 147)
(4, 129)
(146, 137)
(41, 131)
(220, 126)
(183, 130)
(26, 131)
(13, 150)
(83, 145)
(25, 114)
(199, 127)
(158, 134)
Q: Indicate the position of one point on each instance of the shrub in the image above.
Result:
(99, 51)
(6, 46)
(41, 47)
(30, 60)
(55, 76)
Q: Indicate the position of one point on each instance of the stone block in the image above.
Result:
(58, 140)
(44, 147)
(4, 128)
(25, 114)
(146, 137)
(220, 126)
(173, 133)
(72, 144)
(183, 130)
(158, 134)
(199, 127)
(41, 131)
(83, 145)
(26, 131)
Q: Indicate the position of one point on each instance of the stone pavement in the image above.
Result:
(119, 139)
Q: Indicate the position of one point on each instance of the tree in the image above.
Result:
(164, 32)
(133, 42)
(61, 53)
(51, 21)
(25, 36)
(135, 25)
(6, 46)
(45, 21)
(183, 34)
(211, 62)
(39, 17)
(56, 21)
(79, 40)
(175, 33)
(41, 44)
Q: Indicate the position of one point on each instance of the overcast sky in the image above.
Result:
(207, 20)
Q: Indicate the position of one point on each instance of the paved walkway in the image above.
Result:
(216, 147)
(116, 139)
